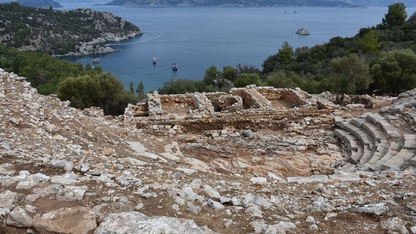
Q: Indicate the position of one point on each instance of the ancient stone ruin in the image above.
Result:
(254, 160)
(370, 140)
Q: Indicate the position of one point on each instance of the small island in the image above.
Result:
(302, 32)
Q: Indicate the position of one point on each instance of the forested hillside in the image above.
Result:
(378, 60)
(29, 36)
(36, 3)
(61, 32)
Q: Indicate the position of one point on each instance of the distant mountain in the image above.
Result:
(234, 3)
(36, 3)
(83, 1)
(382, 3)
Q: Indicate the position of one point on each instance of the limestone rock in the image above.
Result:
(394, 225)
(19, 218)
(134, 222)
(67, 220)
(375, 208)
(8, 200)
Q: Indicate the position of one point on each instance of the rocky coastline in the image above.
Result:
(63, 32)
(98, 45)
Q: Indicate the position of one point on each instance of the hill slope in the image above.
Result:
(87, 170)
(61, 32)
(36, 3)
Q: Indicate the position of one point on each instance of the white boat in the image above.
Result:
(96, 61)
(154, 60)
(174, 67)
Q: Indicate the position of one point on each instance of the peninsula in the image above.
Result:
(66, 32)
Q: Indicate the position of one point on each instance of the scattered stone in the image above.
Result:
(67, 220)
(215, 205)
(394, 225)
(254, 211)
(7, 169)
(375, 208)
(281, 227)
(8, 200)
(310, 179)
(19, 218)
(134, 222)
(191, 157)
(258, 180)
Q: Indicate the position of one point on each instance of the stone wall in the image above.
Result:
(224, 102)
(154, 104)
(293, 97)
(252, 99)
(242, 108)
(202, 103)
(177, 100)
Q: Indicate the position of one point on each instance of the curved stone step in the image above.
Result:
(355, 150)
(360, 134)
(381, 150)
(379, 139)
(348, 167)
(347, 138)
(409, 141)
(412, 161)
(388, 129)
(404, 156)
(376, 133)
(358, 121)
(393, 149)
(399, 160)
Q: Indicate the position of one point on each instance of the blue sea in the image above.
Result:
(198, 37)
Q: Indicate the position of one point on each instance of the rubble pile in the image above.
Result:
(255, 160)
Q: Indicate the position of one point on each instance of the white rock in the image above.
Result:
(8, 199)
(19, 218)
(258, 180)
(215, 205)
(134, 222)
(310, 219)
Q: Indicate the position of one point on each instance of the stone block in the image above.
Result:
(313, 178)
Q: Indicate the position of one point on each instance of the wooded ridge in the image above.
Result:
(66, 32)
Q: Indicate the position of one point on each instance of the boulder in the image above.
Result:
(302, 32)
(67, 220)
(135, 222)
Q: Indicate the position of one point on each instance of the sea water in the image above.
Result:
(198, 37)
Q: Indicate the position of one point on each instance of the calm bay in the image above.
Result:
(199, 37)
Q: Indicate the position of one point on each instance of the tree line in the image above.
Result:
(83, 86)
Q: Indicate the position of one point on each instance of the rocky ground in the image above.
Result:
(65, 170)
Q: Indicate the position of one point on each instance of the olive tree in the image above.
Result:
(101, 90)
(350, 75)
(247, 79)
(394, 71)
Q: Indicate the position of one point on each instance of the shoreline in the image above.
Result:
(94, 47)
